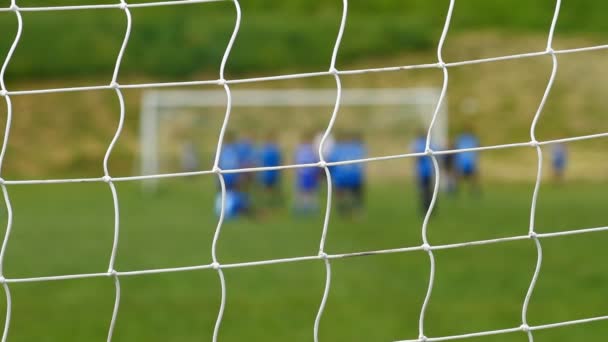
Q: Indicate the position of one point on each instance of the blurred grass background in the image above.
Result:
(372, 298)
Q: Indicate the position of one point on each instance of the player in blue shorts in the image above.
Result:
(348, 179)
(425, 172)
(269, 180)
(236, 204)
(559, 158)
(307, 178)
(466, 162)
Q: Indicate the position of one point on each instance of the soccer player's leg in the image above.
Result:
(307, 185)
(425, 190)
(559, 166)
(358, 195)
(472, 175)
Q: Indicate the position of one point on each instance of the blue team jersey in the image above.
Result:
(307, 178)
(229, 160)
(246, 153)
(349, 174)
(424, 164)
(466, 161)
(236, 203)
(270, 155)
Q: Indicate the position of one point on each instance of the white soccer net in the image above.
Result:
(322, 254)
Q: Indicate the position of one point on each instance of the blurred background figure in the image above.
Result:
(306, 200)
(236, 204)
(269, 180)
(246, 153)
(328, 144)
(236, 201)
(424, 172)
(189, 157)
(348, 179)
(451, 176)
(466, 162)
(558, 161)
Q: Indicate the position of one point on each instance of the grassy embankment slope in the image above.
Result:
(60, 133)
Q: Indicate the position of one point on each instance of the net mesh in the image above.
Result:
(322, 255)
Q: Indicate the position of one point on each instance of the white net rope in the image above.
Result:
(322, 255)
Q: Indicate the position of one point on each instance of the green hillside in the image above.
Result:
(68, 133)
(274, 35)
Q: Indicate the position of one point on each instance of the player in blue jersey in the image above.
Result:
(246, 152)
(348, 179)
(270, 155)
(425, 172)
(559, 158)
(449, 168)
(236, 201)
(307, 178)
(229, 160)
(466, 162)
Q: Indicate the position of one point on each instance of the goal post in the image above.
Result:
(161, 107)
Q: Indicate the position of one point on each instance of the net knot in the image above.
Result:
(215, 265)
(216, 170)
(534, 143)
(113, 273)
(323, 255)
(14, 8)
(533, 235)
(428, 151)
(322, 164)
(221, 82)
(524, 327)
(422, 338)
(333, 71)
(550, 51)
(1, 181)
(426, 247)
(2, 280)
(3, 92)
(441, 65)
(106, 178)
(114, 85)
(123, 5)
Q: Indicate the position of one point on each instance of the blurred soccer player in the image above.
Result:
(348, 179)
(229, 160)
(269, 156)
(307, 179)
(328, 144)
(466, 162)
(424, 171)
(559, 158)
(245, 150)
(236, 200)
(450, 170)
(236, 204)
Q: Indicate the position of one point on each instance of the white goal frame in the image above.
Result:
(154, 102)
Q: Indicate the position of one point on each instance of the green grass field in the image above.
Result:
(68, 229)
